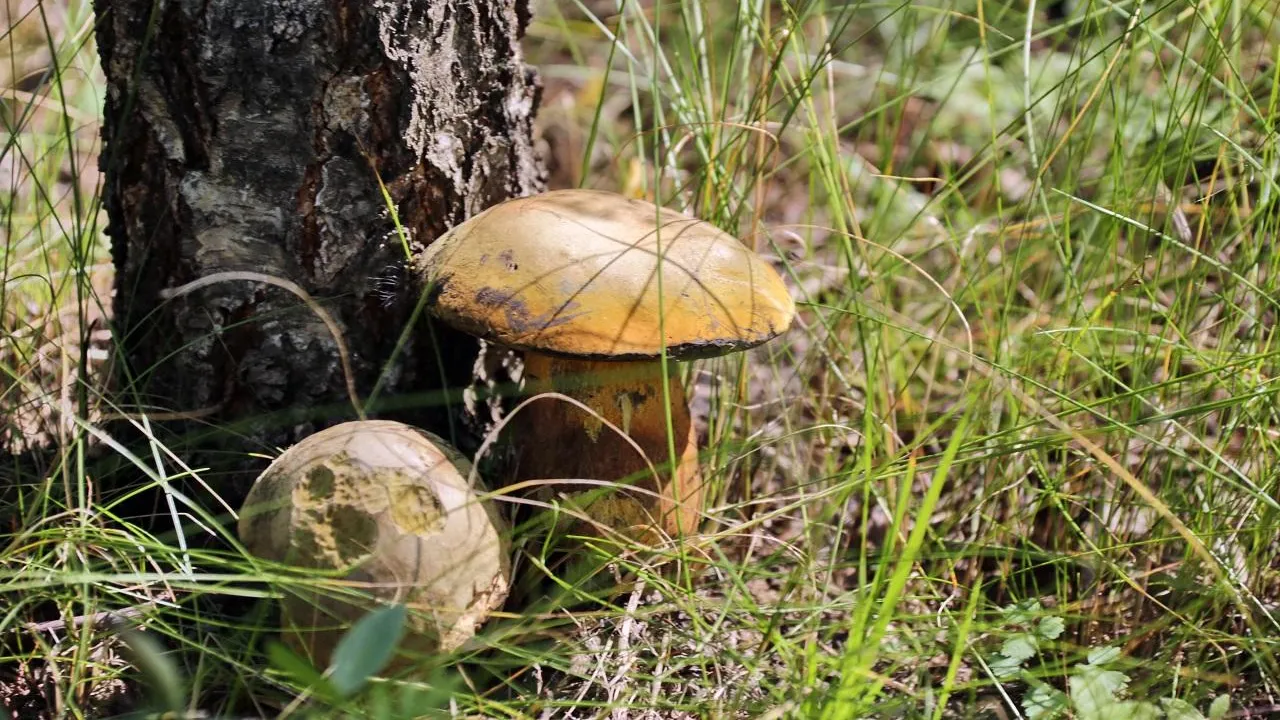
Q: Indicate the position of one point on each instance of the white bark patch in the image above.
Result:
(166, 131)
(230, 225)
(341, 205)
(432, 64)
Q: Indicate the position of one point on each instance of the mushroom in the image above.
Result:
(575, 280)
(390, 503)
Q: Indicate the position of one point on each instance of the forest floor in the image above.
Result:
(1018, 457)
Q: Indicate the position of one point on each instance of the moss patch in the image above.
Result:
(320, 482)
(354, 532)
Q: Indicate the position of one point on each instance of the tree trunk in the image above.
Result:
(244, 135)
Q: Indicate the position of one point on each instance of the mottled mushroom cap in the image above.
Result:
(390, 502)
(575, 273)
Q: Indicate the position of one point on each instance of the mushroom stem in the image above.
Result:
(559, 440)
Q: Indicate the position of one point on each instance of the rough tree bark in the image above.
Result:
(244, 135)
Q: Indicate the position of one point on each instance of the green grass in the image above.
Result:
(1027, 413)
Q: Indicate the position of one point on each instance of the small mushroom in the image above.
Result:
(575, 280)
(390, 502)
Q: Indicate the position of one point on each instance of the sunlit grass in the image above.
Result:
(1035, 360)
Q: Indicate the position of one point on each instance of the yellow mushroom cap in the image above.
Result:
(575, 273)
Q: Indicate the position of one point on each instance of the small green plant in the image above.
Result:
(1095, 689)
(344, 687)
(1024, 645)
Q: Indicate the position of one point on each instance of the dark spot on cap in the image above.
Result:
(436, 288)
(355, 532)
(320, 482)
(492, 297)
(508, 258)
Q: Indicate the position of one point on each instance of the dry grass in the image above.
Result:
(1034, 362)
(56, 268)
